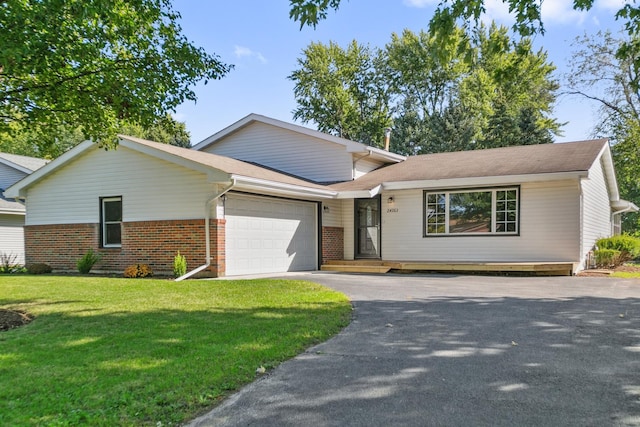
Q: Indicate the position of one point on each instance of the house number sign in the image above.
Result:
(392, 210)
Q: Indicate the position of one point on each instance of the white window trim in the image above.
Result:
(104, 222)
(494, 221)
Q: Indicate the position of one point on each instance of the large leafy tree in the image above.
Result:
(476, 90)
(50, 143)
(95, 63)
(599, 74)
(343, 91)
(527, 18)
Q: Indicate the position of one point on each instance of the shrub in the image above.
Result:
(39, 268)
(607, 258)
(8, 263)
(137, 271)
(179, 265)
(627, 246)
(85, 264)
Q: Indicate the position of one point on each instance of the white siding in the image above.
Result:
(287, 151)
(366, 165)
(9, 176)
(549, 230)
(12, 236)
(333, 216)
(596, 210)
(151, 189)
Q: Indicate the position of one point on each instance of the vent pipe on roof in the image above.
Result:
(387, 138)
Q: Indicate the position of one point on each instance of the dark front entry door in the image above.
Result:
(367, 225)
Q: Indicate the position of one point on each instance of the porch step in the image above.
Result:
(359, 268)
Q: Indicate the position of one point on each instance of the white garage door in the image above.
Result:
(268, 235)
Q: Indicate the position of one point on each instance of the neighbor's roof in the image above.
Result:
(496, 162)
(23, 163)
(11, 207)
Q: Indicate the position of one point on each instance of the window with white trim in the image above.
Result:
(111, 221)
(472, 212)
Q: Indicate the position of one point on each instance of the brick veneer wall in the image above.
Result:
(332, 243)
(147, 242)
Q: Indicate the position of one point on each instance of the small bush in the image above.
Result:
(179, 265)
(627, 246)
(8, 263)
(607, 258)
(85, 264)
(138, 271)
(39, 268)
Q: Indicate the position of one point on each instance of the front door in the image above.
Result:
(367, 225)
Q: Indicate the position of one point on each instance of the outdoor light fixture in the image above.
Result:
(390, 200)
(325, 208)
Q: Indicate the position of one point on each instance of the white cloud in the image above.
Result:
(610, 5)
(561, 11)
(245, 52)
(420, 3)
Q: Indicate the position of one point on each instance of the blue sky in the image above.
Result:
(258, 37)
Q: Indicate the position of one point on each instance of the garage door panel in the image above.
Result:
(266, 235)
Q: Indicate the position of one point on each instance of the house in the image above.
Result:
(12, 169)
(264, 196)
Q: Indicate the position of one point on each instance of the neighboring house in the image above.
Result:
(12, 169)
(264, 196)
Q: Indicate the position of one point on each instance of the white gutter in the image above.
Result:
(207, 232)
(631, 207)
(291, 189)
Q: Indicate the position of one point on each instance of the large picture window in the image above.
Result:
(470, 212)
(111, 221)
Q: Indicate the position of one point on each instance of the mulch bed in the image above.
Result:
(10, 319)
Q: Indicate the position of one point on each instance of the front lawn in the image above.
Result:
(104, 351)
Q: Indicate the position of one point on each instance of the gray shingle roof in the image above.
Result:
(31, 163)
(518, 160)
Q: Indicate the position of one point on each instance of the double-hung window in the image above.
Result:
(471, 212)
(111, 221)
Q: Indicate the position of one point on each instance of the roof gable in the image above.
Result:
(348, 145)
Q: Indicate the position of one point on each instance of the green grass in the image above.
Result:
(104, 351)
(626, 274)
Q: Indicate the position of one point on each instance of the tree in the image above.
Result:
(599, 74)
(92, 64)
(474, 91)
(50, 143)
(527, 19)
(343, 91)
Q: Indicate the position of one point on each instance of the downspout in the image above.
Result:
(613, 217)
(207, 232)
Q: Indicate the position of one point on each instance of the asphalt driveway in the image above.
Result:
(438, 350)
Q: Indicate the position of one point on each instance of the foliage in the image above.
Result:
(342, 91)
(600, 75)
(179, 265)
(527, 14)
(39, 268)
(628, 247)
(8, 263)
(88, 260)
(44, 143)
(468, 91)
(607, 258)
(93, 63)
(138, 271)
(149, 352)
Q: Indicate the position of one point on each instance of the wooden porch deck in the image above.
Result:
(378, 266)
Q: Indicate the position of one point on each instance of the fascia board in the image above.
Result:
(481, 181)
(360, 194)
(15, 165)
(281, 188)
(17, 190)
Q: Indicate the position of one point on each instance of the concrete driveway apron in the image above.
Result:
(438, 350)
